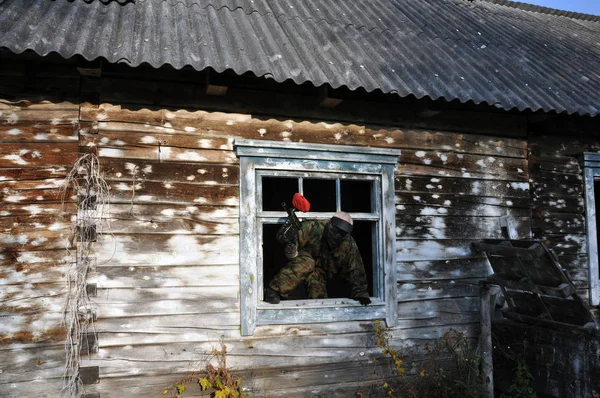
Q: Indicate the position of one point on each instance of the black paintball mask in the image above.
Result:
(337, 231)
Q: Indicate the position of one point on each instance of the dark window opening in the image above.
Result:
(356, 196)
(320, 193)
(276, 190)
(274, 259)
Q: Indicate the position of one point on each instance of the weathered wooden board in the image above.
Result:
(35, 240)
(26, 268)
(408, 271)
(44, 327)
(431, 313)
(25, 112)
(569, 204)
(175, 193)
(33, 196)
(550, 145)
(460, 205)
(555, 189)
(26, 155)
(433, 290)
(181, 323)
(543, 175)
(36, 259)
(37, 131)
(292, 381)
(38, 173)
(434, 249)
(116, 169)
(109, 276)
(169, 154)
(558, 223)
(59, 211)
(458, 186)
(165, 212)
(156, 250)
(459, 165)
(36, 388)
(558, 164)
(456, 227)
(136, 135)
(244, 126)
(174, 226)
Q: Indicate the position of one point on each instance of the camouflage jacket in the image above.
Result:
(344, 260)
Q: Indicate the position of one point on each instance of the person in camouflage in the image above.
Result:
(325, 249)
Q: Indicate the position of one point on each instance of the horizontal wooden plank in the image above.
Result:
(437, 289)
(452, 164)
(244, 126)
(35, 259)
(408, 271)
(431, 313)
(174, 226)
(33, 173)
(569, 204)
(560, 223)
(164, 307)
(460, 205)
(175, 193)
(554, 189)
(152, 170)
(63, 113)
(434, 249)
(107, 276)
(461, 186)
(180, 323)
(457, 227)
(38, 154)
(36, 328)
(293, 382)
(26, 268)
(118, 134)
(36, 240)
(38, 131)
(560, 164)
(556, 176)
(58, 211)
(558, 146)
(165, 212)
(23, 225)
(165, 250)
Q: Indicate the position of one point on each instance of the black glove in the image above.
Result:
(364, 300)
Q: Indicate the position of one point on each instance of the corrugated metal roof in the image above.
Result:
(482, 51)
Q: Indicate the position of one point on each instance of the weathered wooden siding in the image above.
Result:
(558, 199)
(38, 146)
(167, 274)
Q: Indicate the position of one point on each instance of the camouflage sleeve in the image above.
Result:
(305, 234)
(355, 273)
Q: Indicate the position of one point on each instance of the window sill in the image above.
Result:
(314, 311)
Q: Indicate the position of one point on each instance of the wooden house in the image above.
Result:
(146, 147)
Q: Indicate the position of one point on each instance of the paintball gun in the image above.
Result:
(288, 233)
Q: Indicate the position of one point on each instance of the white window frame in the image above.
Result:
(274, 158)
(591, 173)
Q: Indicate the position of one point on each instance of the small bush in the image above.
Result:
(451, 368)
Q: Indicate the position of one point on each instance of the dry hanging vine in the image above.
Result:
(86, 181)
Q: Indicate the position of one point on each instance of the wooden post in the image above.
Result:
(485, 343)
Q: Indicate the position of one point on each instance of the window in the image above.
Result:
(357, 180)
(592, 210)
